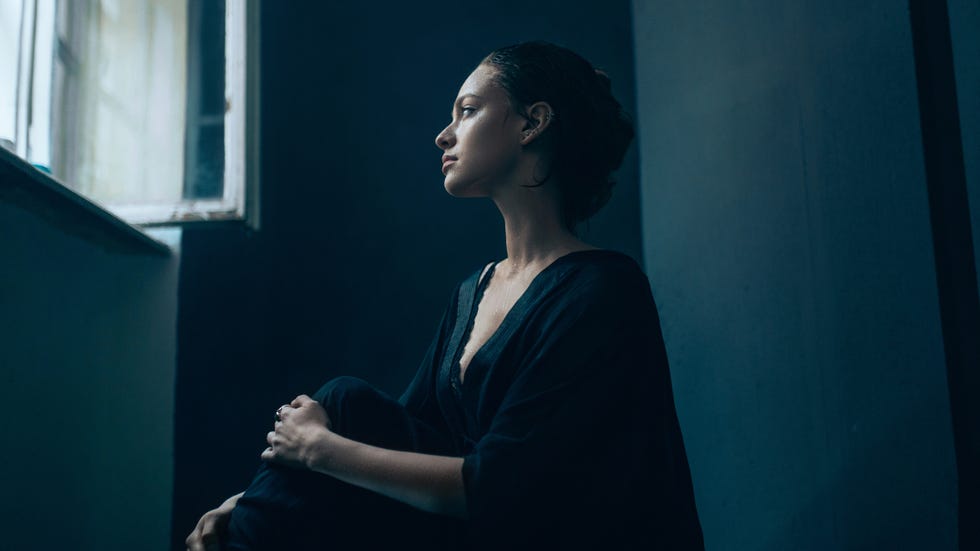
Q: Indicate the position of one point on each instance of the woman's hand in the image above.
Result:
(298, 437)
(209, 530)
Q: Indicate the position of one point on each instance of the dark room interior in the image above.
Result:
(803, 194)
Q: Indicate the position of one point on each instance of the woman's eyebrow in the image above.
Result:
(464, 96)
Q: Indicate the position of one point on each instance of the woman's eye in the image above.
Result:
(465, 109)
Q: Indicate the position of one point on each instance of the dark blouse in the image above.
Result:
(565, 419)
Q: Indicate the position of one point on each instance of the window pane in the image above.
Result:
(141, 105)
(121, 124)
(10, 13)
(39, 122)
(204, 178)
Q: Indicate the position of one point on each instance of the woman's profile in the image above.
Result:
(542, 414)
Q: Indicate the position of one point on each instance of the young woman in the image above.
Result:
(542, 415)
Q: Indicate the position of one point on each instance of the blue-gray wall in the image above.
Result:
(87, 362)
(786, 234)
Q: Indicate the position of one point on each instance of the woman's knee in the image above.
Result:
(339, 388)
(359, 411)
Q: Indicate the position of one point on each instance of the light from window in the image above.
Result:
(146, 107)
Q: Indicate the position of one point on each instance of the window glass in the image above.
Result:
(143, 106)
(10, 17)
(206, 103)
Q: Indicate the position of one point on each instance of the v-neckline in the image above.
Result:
(478, 291)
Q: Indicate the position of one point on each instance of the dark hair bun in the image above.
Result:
(591, 131)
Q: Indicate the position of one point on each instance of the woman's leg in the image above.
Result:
(286, 508)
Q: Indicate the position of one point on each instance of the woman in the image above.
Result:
(542, 414)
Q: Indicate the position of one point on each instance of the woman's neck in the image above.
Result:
(533, 242)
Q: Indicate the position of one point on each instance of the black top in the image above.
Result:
(565, 419)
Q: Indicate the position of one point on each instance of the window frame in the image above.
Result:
(241, 135)
(242, 162)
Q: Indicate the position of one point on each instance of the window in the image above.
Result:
(146, 107)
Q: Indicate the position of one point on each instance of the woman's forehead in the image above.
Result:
(480, 83)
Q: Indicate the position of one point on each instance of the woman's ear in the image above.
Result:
(538, 116)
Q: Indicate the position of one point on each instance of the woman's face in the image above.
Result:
(483, 137)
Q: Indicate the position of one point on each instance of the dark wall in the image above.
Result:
(360, 245)
(787, 236)
(87, 350)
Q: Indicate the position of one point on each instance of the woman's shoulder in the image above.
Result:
(604, 268)
(610, 259)
(606, 281)
(603, 287)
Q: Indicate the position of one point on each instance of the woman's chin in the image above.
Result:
(461, 190)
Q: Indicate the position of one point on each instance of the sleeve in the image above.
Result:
(549, 470)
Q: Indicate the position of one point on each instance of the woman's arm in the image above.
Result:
(303, 438)
(433, 483)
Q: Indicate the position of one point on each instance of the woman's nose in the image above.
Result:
(443, 139)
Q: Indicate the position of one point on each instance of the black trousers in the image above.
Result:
(293, 509)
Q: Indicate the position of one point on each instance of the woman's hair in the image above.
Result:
(590, 131)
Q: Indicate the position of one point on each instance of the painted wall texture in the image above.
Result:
(786, 234)
(87, 364)
(361, 246)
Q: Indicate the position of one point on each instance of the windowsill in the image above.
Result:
(23, 185)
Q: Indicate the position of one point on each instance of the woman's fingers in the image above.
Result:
(203, 535)
(194, 541)
(300, 400)
(207, 535)
(209, 532)
(299, 423)
(287, 410)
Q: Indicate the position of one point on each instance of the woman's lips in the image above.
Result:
(446, 164)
